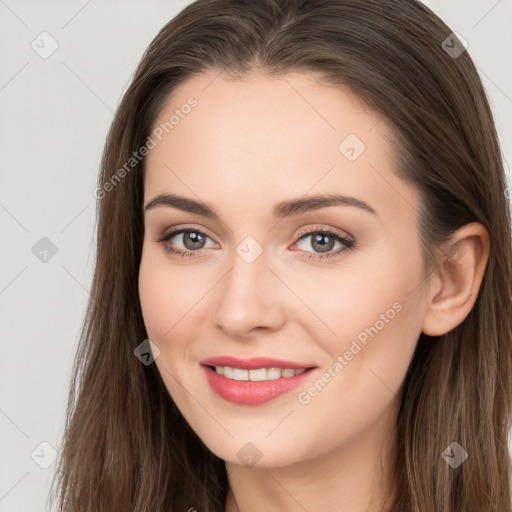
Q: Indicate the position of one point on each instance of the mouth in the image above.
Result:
(254, 381)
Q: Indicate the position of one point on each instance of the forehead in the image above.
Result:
(261, 136)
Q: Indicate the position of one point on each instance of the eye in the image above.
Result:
(192, 240)
(323, 241)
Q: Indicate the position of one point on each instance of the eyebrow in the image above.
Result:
(280, 210)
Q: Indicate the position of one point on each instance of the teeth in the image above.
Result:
(257, 374)
(239, 374)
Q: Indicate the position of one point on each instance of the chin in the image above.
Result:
(260, 453)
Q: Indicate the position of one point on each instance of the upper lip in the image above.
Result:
(253, 363)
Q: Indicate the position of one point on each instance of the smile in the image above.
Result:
(258, 382)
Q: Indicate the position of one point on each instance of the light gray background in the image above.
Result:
(55, 113)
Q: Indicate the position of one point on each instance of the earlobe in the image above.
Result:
(456, 284)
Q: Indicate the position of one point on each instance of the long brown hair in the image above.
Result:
(126, 446)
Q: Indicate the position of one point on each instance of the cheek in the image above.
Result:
(368, 358)
(170, 298)
(155, 297)
(373, 316)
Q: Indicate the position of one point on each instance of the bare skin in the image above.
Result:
(245, 147)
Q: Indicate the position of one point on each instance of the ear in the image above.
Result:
(454, 287)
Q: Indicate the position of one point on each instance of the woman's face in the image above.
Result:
(266, 276)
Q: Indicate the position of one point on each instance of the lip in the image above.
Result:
(253, 363)
(253, 392)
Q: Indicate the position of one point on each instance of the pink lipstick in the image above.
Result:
(254, 381)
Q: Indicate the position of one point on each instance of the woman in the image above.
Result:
(301, 298)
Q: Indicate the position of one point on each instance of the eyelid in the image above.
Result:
(310, 229)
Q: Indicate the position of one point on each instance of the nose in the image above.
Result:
(249, 300)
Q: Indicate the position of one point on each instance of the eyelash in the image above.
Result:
(349, 244)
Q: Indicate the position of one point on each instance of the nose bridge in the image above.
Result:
(247, 298)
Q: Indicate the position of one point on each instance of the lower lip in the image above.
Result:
(253, 392)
